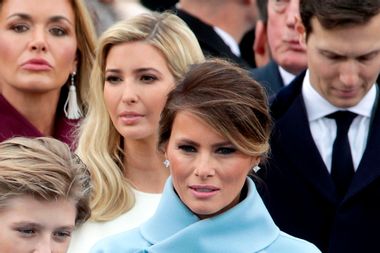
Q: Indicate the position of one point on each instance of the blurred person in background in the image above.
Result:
(219, 25)
(278, 31)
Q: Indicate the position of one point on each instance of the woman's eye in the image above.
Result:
(113, 79)
(148, 78)
(225, 150)
(19, 28)
(187, 148)
(57, 31)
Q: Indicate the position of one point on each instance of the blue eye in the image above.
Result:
(187, 148)
(225, 150)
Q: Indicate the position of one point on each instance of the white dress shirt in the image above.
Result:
(229, 40)
(323, 129)
(286, 76)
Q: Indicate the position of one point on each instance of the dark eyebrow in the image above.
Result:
(188, 142)
(222, 144)
(334, 54)
(20, 15)
(326, 51)
(28, 17)
(59, 18)
(216, 145)
(369, 54)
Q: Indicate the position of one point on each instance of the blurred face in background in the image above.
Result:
(283, 38)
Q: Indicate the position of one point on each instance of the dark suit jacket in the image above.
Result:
(269, 76)
(209, 40)
(300, 194)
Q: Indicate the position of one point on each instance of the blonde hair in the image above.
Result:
(85, 34)
(99, 141)
(45, 169)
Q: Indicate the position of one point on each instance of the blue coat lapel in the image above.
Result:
(175, 229)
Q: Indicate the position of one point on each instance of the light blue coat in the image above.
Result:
(245, 228)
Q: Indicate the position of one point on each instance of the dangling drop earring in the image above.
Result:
(166, 163)
(256, 168)
(71, 108)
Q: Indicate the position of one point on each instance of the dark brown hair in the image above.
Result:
(228, 99)
(262, 7)
(337, 13)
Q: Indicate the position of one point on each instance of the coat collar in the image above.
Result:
(175, 227)
(15, 124)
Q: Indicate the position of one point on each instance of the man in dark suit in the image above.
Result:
(323, 174)
(277, 28)
(219, 25)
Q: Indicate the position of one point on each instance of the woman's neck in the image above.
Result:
(38, 108)
(144, 167)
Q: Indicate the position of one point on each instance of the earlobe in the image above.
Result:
(300, 28)
(255, 161)
(260, 46)
(75, 64)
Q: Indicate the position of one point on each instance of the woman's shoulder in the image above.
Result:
(289, 244)
(127, 242)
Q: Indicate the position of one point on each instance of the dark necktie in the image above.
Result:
(342, 167)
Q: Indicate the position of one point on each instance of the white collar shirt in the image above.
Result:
(323, 130)
(229, 40)
(286, 76)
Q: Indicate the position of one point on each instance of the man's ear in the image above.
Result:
(260, 46)
(300, 28)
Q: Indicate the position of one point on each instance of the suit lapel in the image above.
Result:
(274, 76)
(369, 167)
(296, 138)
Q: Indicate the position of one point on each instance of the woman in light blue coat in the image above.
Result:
(214, 130)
